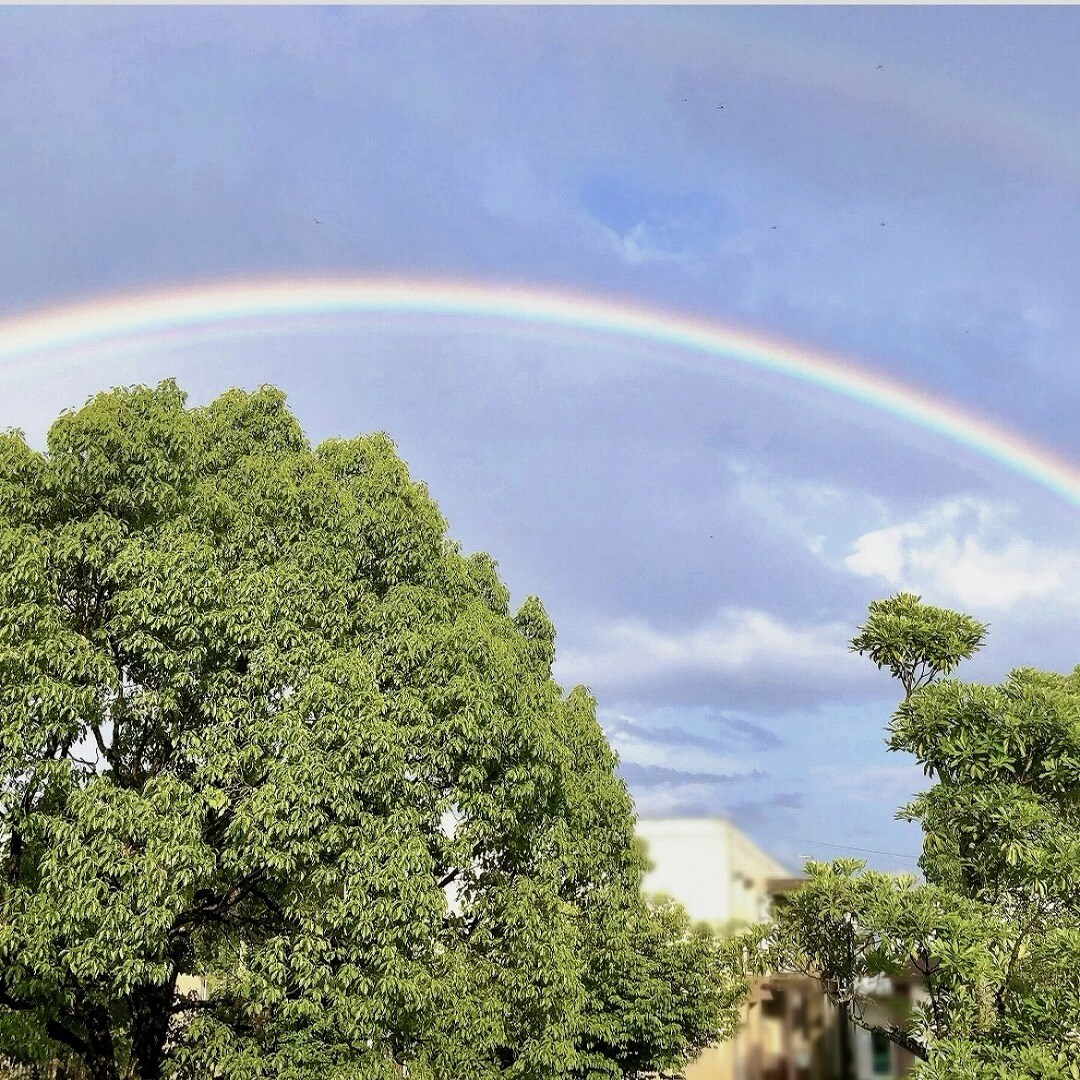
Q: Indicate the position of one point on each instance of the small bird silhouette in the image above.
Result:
(774, 226)
(686, 99)
(719, 104)
(317, 221)
(881, 222)
(879, 67)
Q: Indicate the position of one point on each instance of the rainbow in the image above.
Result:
(32, 337)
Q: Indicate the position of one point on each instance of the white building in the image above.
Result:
(716, 872)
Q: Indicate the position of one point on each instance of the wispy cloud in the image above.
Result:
(641, 777)
(702, 729)
(694, 798)
(811, 512)
(872, 784)
(649, 754)
(677, 800)
(756, 811)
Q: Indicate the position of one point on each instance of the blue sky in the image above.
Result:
(896, 185)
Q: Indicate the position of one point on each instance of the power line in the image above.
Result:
(848, 847)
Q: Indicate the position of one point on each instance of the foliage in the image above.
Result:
(915, 641)
(261, 721)
(994, 931)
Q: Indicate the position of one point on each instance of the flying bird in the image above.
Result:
(317, 221)
(774, 226)
(879, 67)
(719, 104)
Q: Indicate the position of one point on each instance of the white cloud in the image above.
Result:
(963, 550)
(735, 641)
(639, 246)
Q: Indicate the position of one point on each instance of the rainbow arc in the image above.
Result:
(34, 337)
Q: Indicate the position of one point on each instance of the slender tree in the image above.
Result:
(262, 723)
(994, 930)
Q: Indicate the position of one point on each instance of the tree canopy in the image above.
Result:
(994, 929)
(262, 722)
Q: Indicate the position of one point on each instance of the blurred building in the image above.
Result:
(716, 872)
(791, 1030)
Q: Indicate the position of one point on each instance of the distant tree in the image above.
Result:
(261, 722)
(995, 928)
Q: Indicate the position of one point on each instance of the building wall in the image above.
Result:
(721, 877)
(713, 870)
(791, 1032)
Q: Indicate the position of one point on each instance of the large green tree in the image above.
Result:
(262, 722)
(994, 929)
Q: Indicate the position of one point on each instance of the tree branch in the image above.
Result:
(217, 907)
(55, 1030)
(60, 1033)
(893, 1032)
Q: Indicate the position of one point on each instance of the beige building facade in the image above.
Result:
(790, 1030)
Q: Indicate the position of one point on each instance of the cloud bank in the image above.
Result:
(734, 641)
(968, 552)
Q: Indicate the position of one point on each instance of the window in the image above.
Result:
(880, 1054)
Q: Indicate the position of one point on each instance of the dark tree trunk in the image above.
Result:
(846, 1070)
(100, 1052)
(150, 1014)
(102, 1068)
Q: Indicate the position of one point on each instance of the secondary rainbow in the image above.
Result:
(35, 337)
